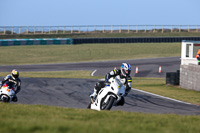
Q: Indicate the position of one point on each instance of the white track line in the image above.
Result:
(92, 74)
(162, 96)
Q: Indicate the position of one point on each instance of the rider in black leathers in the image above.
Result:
(123, 74)
(13, 81)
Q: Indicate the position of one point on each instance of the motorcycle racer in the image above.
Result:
(13, 81)
(123, 74)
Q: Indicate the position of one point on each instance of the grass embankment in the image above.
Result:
(38, 54)
(158, 86)
(97, 35)
(45, 119)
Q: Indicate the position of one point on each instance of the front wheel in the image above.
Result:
(107, 105)
(4, 98)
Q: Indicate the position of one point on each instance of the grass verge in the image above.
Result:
(158, 86)
(57, 74)
(39, 54)
(45, 119)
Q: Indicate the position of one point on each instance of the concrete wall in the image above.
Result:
(190, 77)
(47, 41)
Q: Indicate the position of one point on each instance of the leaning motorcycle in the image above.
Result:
(108, 96)
(6, 93)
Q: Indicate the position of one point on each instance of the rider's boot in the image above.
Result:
(14, 99)
(94, 94)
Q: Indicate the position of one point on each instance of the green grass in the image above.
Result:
(39, 54)
(19, 118)
(158, 86)
(56, 74)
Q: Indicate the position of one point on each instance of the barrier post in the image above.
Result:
(136, 70)
(160, 69)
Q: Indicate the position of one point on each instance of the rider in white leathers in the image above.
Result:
(123, 74)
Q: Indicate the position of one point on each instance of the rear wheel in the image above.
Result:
(107, 105)
(89, 106)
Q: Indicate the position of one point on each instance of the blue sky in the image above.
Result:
(99, 12)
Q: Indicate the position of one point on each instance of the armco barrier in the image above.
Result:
(14, 42)
(134, 40)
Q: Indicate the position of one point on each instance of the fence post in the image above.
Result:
(19, 30)
(162, 29)
(188, 28)
(4, 30)
(27, 28)
(128, 28)
(95, 29)
(179, 28)
(64, 30)
(42, 29)
(136, 28)
(34, 29)
(103, 28)
(145, 30)
(72, 29)
(87, 28)
(172, 28)
(111, 29)
(49, 29)
(12, 30)
(120, 30)
(57, 30)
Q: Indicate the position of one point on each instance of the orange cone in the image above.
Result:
(136, 70)
(160, 69)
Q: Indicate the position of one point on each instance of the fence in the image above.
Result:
(10, 30)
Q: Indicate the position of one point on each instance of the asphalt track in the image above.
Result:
(74, 93)
(147, 67)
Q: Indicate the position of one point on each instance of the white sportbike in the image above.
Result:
(6, 93)
(108, 96)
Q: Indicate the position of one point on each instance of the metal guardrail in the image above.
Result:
(11, 30)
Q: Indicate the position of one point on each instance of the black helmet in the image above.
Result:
(15, 73)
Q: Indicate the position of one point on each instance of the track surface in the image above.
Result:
(147, 67)
(74, 93)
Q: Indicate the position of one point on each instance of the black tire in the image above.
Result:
(5, 99)
(108, 105)
(89, 106)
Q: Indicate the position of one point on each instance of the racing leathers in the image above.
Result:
(14, 83)
(116, 73)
